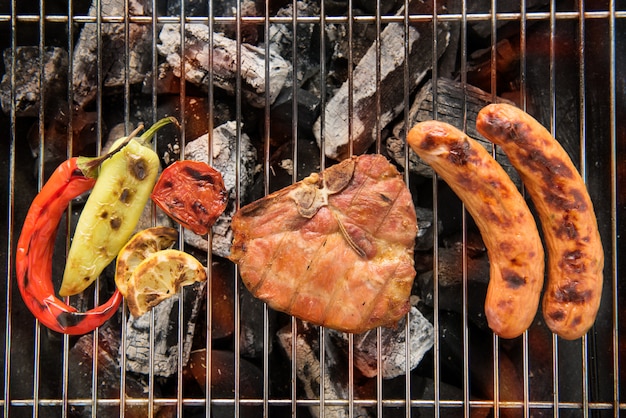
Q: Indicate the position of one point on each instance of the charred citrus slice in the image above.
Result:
(159, 277)
(141, 246)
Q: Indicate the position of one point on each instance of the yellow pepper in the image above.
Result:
(112, 211)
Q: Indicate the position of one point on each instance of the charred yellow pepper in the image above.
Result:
(112, 211)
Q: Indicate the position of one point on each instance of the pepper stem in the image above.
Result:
(90, 165)
(146, 137)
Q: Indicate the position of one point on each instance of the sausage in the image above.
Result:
(575, 256)
(505, 222)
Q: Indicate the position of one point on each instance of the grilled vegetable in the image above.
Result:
(33, 258)
(570, 229)
(142, 245)
(159, 277)
(193, 193)
(113, 209)
(506, 224)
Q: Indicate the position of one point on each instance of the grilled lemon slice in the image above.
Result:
(138, 248)
(159, 277)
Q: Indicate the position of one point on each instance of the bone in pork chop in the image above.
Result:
(335, 249)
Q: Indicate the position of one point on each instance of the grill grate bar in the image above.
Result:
(592, 400)
(447, 17)
(614, 204)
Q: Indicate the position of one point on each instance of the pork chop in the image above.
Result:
(335, 249)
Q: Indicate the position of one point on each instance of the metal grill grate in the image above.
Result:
(568, 71)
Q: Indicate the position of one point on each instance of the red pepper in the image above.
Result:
(192, 193)
(33, 259)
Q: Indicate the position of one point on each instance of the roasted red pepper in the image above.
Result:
(33, 259)
(192, 193)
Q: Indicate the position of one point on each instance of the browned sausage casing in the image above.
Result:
(575, 255)
(506, 224)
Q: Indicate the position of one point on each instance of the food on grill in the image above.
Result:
(142, 245)
(570, 229)
(159, 277)
(458, 104)
(193, 193)
(126, 178)
(33, 258)
(335, 249)
(234, 155)
(506, 224)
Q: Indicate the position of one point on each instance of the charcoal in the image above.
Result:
(113, 43)
(281, 126)
(392, 61)
(393, 349)
(165, 81)
(225, 63)
(192, 7)
(480, 366)
(282, 164)
(283, 40)
(223, 379)
(165, 327)
(196, 119)
(308, 369)
(56, 133)
(81, 360)
(566, 102)
(451, 97)
(425, 231)
(479, 72)
(28, 93)
(482, 28)
(252, 327)
(224, 140)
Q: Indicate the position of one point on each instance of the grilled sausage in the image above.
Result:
(506, 224)
(573, 246)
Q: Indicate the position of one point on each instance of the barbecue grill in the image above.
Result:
(76, 74)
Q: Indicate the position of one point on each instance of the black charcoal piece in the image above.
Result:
(28, 88)
(252, 329)
(164, 354)
(112, 54)
(81, 362)
(365, 120)
(224, 142)
(453, 102)
(425, 231)
(305, 40)
(225, 62)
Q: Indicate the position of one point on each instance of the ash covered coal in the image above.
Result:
(29, 85)
(102, 49)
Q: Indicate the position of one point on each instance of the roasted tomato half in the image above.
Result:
(192, 193)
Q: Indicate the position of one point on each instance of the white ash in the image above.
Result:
(308, 370)
(393, 349)
(225, 62)
(165, 349)
(113, 41)
(28, 93)
(223, 146)
(363, 120)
